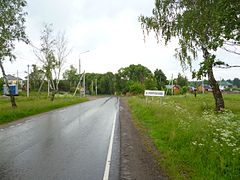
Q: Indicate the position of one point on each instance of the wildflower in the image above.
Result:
(194, 143)
(231, 144)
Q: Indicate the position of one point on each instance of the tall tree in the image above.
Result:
(72, 76)
(62, 52)
(47, 57)
(133, 74)
(199, 26)
(106, 83)
(138, 73)
(160, 78)
(181, 80)
(236, 82)
(52, 54)
(35, 77)
(12, 28)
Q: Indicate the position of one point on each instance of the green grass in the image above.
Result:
(196, 143)
(35, 104)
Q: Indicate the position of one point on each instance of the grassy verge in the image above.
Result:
(35, 104)
(195, 142)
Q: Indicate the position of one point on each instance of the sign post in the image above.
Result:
(154, 93)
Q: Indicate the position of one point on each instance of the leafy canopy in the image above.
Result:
(160, 78)
(198, 25)
(11, 26)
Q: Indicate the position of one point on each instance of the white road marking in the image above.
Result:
(109, 155)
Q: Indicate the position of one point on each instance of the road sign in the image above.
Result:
(154, 93)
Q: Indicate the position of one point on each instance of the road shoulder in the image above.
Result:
(136, 162)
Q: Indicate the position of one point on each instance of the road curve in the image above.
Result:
(70, 143)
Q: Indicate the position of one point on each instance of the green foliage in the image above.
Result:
(136, 88)
(71, 76)
(150, 84)
(64, 86)
(184, 90)
(121, 84)
(106, 83)
(232, 89)
(134, 74)
(198, 25)
(236, 82)
(181, 80)
(194, 142)
(91, 79)
(35, 77)
(12, 27)
(52, 54)
(160, 78)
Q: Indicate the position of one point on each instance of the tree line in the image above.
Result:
(132, 79)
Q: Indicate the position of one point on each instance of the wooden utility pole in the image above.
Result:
(84, 85)
(92, 88)
(96, 87)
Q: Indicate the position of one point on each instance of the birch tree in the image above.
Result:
(46, 56)
(200, 26)
(52, 55)
(12, 29)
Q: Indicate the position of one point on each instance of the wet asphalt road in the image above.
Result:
(70, 143)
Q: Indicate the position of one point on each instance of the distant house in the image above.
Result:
(224, 84)
(204, 87)
(14, 80)
(176, 89)
(191, 89)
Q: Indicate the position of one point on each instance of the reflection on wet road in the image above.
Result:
(71, 143)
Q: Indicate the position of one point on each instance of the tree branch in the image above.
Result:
(231, 51)
(227, 66)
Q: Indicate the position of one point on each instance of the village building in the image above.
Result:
(205, 88)
(223, 85)
(14, 80)
(173, 88)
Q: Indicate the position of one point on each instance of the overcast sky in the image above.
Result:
(110, 31)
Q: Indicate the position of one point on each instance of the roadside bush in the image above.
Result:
(232, 89)
(136, 88)
(150, 84)
(184, 90)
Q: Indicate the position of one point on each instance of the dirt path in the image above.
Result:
(135, 161)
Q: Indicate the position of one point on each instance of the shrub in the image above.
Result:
(184, 90)
(136, 88)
